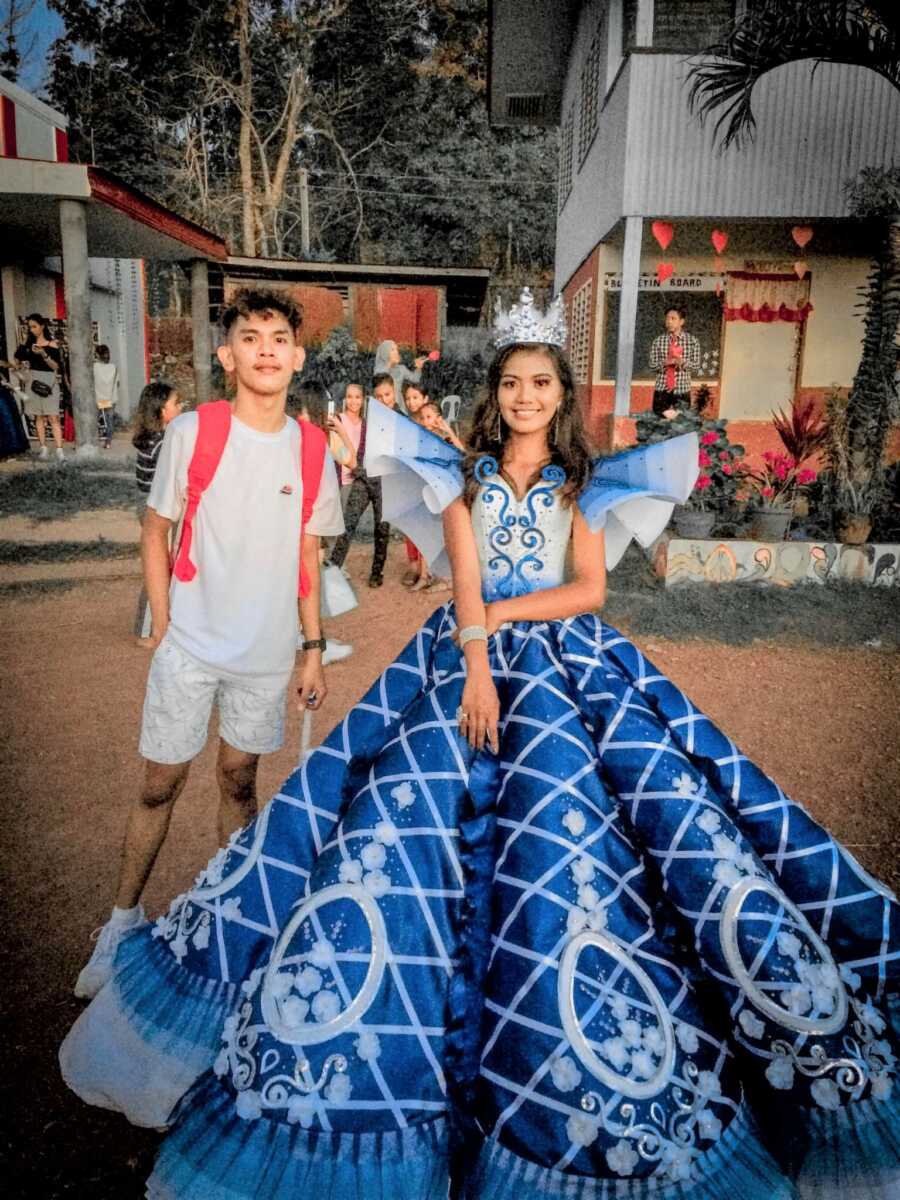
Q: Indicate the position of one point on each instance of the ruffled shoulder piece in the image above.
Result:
(420, 475)
(632, 494)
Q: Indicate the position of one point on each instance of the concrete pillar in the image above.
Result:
(631, 271)
(200, 327)
(643, 33)
(76, 277)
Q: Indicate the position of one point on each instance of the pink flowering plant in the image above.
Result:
(719, 459)
(720, 470)
(778, 481)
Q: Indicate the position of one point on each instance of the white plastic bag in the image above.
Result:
(337, 594)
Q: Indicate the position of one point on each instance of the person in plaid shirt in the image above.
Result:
(674, 356)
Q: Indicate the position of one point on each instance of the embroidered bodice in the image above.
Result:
(522, 543)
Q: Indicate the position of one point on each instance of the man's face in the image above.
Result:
(674, 321)
(262, 352)
(385, 393)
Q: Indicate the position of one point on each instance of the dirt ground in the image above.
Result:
(825, 723)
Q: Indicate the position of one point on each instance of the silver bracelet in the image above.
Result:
(472, 633)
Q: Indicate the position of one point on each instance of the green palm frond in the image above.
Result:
(774, 33)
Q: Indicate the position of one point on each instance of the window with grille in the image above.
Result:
(566, 148)
(590, 98)
(580, 332)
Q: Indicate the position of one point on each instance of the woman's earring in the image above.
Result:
(497, 438)
(556, 424)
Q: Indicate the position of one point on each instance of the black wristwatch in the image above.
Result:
(314, 644)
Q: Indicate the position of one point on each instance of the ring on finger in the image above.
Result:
(461, 715)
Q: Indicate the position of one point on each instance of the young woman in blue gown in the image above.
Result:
(527, 924)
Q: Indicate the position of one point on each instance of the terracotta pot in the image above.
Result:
(690, 523)
(771, 524)
(853, 529)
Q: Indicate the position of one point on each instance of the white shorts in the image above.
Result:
(180, 696)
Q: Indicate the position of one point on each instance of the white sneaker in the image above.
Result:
(43, 453)
(99, 967)
(335, 651)
(60, 454)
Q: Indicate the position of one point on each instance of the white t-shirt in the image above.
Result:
(238, 615)
(106, 383)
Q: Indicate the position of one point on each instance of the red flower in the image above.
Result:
(767, 492)
(703, 459)
(780, 469)
(727, 469)
(806, 476)
(769, 456)
(703, 482)
(724, 455)
(709, 437)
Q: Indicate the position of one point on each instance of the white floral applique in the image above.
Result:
(825, 1093)
(350, 871)
(575, 821)
(751, 1024)
(622, 1158)
(685, 786)
(368, 1046)
(300, 1111)
(338, 1090)
(780, 1073)
(325, 1006)
(404, 795)
(231, 908)
(564, 1073)
(709, 821)
(686, 1036)
(582, 1130)
(248, 1105)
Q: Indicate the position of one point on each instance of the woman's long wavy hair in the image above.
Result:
(566, 436)
(148, 418)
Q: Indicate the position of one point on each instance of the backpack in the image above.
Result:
(214, 425)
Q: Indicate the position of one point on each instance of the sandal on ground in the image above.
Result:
(409, 578)
(436, 584)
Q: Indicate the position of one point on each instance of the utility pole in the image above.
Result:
(304, 212)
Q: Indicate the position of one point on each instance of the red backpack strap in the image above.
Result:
(214, 423)
(313, 452)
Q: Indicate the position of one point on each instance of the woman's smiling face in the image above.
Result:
(530, 391)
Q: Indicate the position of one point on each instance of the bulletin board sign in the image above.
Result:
(695, 292)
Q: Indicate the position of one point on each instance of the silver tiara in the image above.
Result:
(525, 323)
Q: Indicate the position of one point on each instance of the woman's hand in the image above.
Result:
(480, 710)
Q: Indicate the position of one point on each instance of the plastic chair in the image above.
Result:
(450, 406)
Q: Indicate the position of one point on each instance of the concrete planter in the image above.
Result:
(771, 524)
(692, 523)
(681, 561)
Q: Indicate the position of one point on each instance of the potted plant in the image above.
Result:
(717, 483)
(776, 486)
(853, 495)
(802, 432)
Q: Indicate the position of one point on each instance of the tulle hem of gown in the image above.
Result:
(125, 1053)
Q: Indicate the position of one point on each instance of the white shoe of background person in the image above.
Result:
(98, 969)
(335, 651)
(43, 453)
(60, 454)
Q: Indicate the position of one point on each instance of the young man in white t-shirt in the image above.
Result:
(228, 636)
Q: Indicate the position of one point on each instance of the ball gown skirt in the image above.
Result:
(613, 960)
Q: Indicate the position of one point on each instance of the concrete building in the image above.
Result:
(72, 243)
(611, 74)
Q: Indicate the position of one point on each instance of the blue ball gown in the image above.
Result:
(612, 961)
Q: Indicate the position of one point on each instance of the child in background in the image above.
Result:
(159, 403)
(431, 417)
(424, 415)
(106, 393)
(313, 404)
(363, 492)
(414, 396)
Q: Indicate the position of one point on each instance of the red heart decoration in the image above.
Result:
(802, 235)
(800, 269)
(719, 240)
(663, 232)
(664, 271)
(434, 355)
